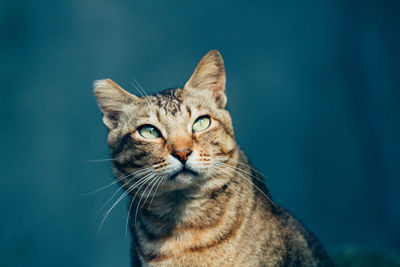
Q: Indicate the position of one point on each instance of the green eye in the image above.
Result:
(201, 124)
(149, 132)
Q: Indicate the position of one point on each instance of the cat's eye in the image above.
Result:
(201, 124)
(149, 132)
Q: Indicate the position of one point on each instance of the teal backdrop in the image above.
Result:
(313, 88)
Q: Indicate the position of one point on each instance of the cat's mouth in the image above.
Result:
(183, 172)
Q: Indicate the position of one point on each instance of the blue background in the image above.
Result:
(313, 88)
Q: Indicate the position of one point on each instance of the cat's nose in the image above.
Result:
(182, 154)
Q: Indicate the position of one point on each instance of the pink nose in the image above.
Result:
(182, 154)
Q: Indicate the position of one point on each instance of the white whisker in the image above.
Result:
(155, 192)
(236, 170)
(123, 186)
(139, 86)
(136, 87)
(241, 163)
(231, 187)
(144, 192)
(140, 89)
(120, 178)
(127, 216)
(141, 181)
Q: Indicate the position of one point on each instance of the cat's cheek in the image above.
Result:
(198, 162)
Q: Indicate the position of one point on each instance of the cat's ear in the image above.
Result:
(111, 98)
(210, 75)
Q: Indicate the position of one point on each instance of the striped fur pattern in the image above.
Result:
(210, 208)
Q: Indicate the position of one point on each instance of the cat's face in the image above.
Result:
(175, 139)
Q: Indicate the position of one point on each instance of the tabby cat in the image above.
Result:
(195, 198)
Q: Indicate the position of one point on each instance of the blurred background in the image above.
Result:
(313, 88)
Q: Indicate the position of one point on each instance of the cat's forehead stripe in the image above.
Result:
(158, 116)
(189, 111)
(169, 101)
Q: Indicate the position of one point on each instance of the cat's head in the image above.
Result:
(174, 139)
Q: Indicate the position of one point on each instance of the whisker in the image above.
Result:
(151, 189)
(136, 87)
(118, 200)
(140, 89)
(140, 199)
(231, 187)
(128, 215)
(236, 167)
(130, 207)
(155, 192)
(98, 190)
(114, 194)
(151, 177)
(246, 179)
(264, 176)
(116, 180)
(241, 163)
(144, 172)
(139, 86)
(130, 189)
(129, 212)
(106, 186)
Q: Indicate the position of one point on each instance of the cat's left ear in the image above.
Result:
(210, 75)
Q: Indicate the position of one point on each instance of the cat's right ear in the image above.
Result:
(111, 98)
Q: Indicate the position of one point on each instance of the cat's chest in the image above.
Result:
(222, 255)
(213, 237)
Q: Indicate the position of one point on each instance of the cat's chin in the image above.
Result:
(184, 176)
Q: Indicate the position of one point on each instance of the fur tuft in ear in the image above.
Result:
(210, 75)
(111, 98)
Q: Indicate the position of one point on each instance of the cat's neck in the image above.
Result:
(192, 208)
(186, 207)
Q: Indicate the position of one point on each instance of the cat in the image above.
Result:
(195, 198)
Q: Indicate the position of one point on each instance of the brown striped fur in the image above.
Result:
(211, 210)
